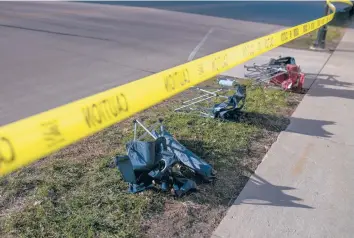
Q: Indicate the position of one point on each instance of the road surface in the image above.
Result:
(52, 53)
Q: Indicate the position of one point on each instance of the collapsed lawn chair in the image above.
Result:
(206, 106)
(282, 72)
(163, 162)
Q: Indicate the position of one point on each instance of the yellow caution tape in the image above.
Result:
(32, 138)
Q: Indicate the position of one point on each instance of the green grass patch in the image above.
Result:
(333, 37)
(335, 32)
(78, 192)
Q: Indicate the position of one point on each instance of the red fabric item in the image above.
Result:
(292, 79)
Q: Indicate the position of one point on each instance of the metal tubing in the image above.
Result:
(206, 91)
(193, 99)
(147, 130)
(146, 133)
(194, 102)
(206, 114)
(200, 97)
(135, 130)
(215, 94)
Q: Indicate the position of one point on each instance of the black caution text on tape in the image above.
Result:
(7, 151)
(284, 36)
(219, 62)
(268, 42)
(105, 110)
(176, 79)
(51, 133)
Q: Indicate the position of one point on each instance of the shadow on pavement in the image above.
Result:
(310, 127)
(340, 50)
(324, 86)
(259, 191)
(298, 125)
(321, 91)
(327, 79)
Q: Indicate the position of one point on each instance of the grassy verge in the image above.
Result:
(333, 37)
(78, 192)
(335, 32)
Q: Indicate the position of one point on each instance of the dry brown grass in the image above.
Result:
(78, 191)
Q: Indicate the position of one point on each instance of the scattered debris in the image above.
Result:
(282, 72)
(163, 162)
(227, 109)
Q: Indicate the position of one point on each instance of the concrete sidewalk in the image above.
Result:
(305, 185)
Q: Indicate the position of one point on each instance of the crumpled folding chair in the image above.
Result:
(234, 104)
(164, 162)
(143, 157)
(227, 109)
(281, 72)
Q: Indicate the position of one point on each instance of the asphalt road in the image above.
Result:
(55, 52)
